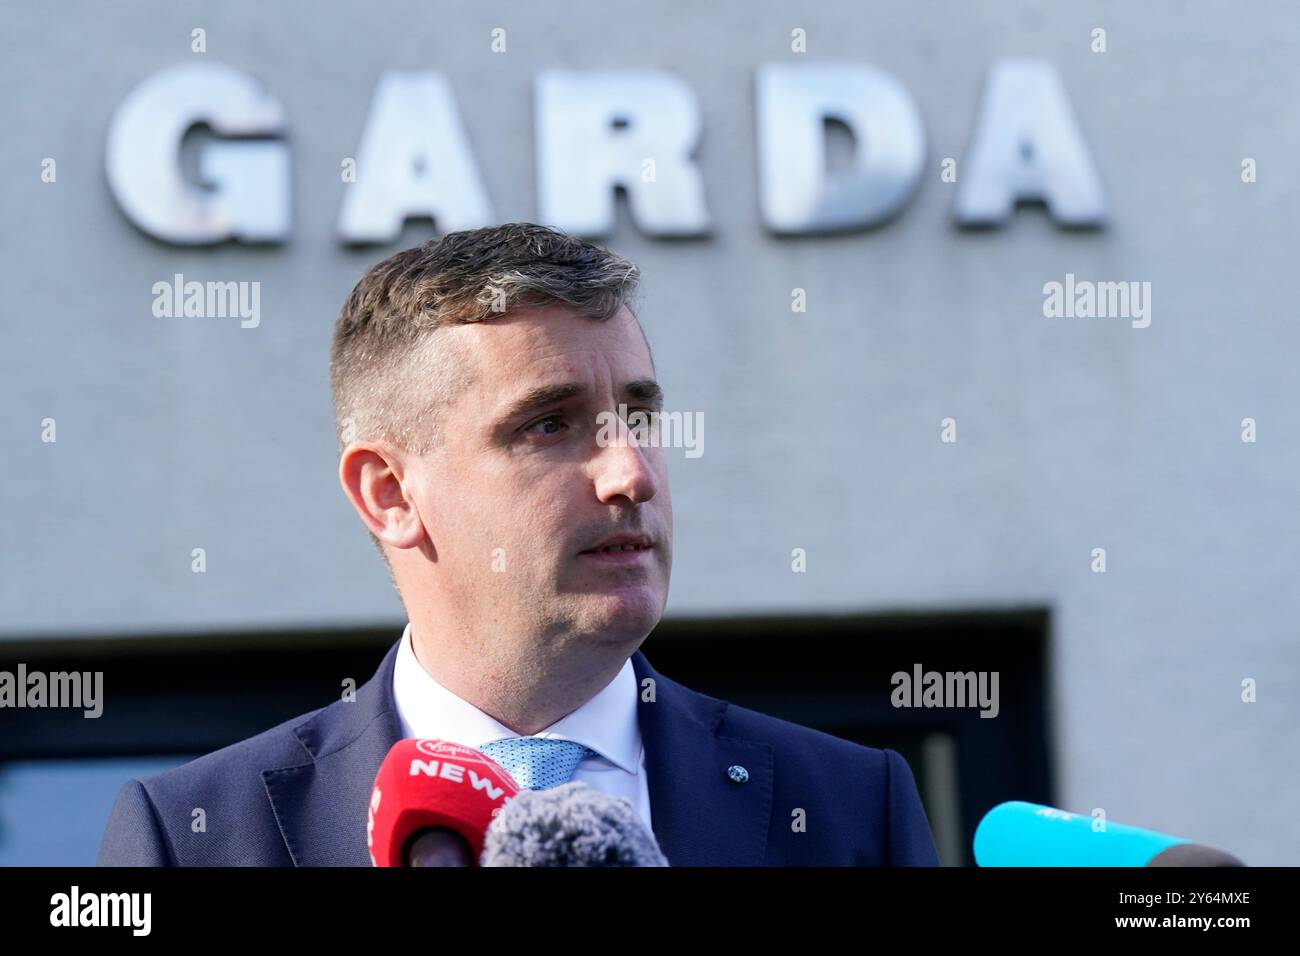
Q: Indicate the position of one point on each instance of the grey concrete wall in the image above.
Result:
(822, 428)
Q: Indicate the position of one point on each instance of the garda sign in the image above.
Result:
(596, 131)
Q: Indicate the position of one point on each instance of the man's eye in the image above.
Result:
(548, 420)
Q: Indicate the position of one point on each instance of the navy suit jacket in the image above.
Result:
(296, 795)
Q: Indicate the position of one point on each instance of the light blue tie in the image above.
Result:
(537, 763)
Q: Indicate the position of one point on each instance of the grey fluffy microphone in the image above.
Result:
(573, 824)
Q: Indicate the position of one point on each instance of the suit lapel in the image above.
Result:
(321, 805)
(700, 816)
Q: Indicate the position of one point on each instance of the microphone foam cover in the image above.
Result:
(573, 824)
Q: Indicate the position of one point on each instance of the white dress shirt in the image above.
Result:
(607, 723)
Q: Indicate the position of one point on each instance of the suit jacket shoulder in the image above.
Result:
(205, 812)
(744, 788)
(293, 795)
(848, 777)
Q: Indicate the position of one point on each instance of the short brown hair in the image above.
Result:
(389, 381)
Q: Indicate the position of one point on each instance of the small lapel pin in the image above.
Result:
(738, 774)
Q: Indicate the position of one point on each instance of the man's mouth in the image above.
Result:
(623, 548)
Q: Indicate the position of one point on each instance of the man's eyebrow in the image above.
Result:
(539, 397)
(642, 389)
(646, 390)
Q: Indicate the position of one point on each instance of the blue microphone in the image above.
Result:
(1029, 834)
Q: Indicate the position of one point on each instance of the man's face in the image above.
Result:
(522, 487)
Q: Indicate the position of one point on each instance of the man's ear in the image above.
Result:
(372, 475)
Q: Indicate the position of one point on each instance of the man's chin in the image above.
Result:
(625, 614)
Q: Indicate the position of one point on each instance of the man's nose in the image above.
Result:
(623, 469)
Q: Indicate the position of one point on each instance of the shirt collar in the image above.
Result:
(607, 723)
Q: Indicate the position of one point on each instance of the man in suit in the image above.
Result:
(495, 400)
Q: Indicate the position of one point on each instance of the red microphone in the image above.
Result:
(432, 803)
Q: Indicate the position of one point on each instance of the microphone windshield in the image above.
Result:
(573, 824)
